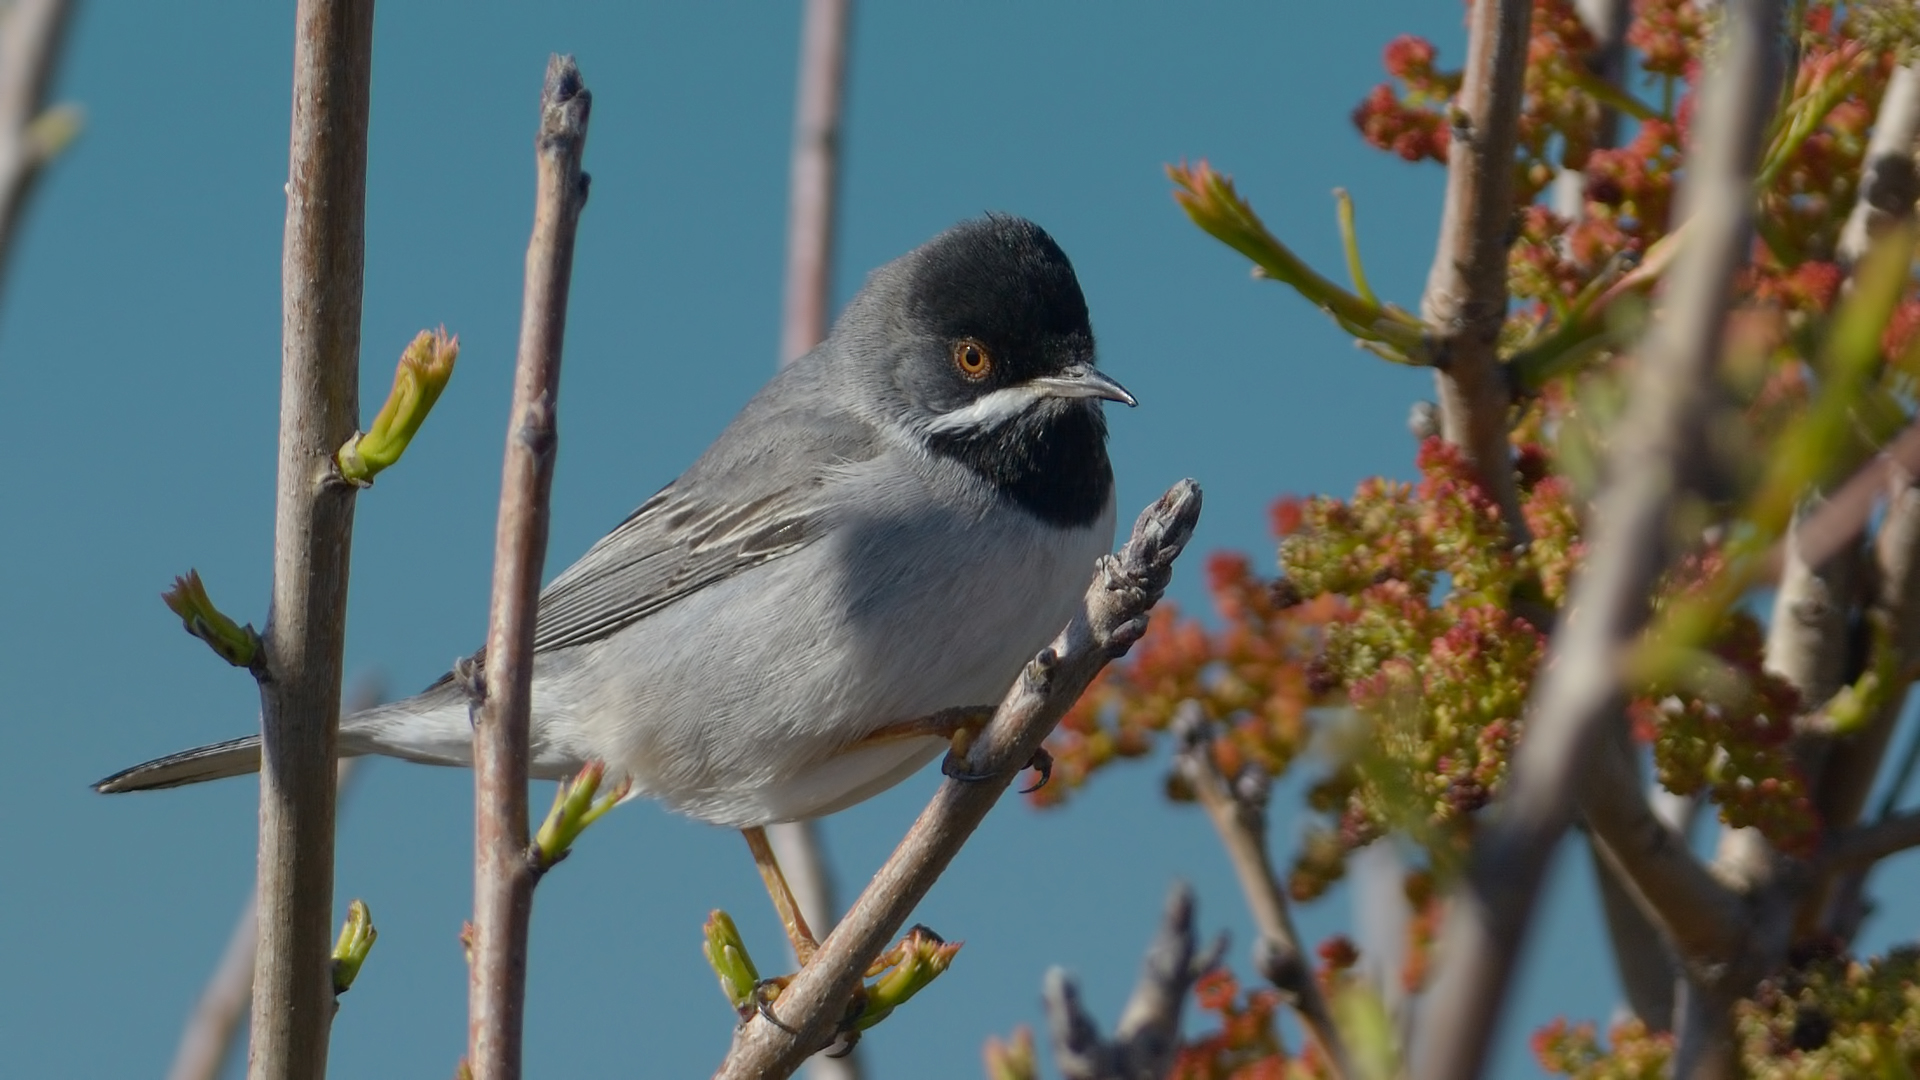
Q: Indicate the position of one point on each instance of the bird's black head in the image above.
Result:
(990, 355)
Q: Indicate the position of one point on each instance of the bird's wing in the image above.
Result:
(750, 500)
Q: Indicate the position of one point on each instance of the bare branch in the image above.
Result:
(1841, 517)
(1466, 299)
(30, 136)
(1705, 920)
(208, 1035)
(815, 182)
(1865, 845)
(1238, 810)
(322, 270)
(1148, 1035)
(1889, 185)
(1579, 692)
(504, 871)
(1854, 761)
(1124, 589)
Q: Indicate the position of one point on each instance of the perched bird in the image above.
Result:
(874, 547)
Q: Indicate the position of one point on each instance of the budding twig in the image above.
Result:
(504, 875)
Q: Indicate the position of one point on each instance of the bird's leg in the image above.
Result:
(791, 919)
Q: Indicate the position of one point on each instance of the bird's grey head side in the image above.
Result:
(998, 286)
(979, 343)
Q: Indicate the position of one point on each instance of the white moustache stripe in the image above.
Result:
(994, 409)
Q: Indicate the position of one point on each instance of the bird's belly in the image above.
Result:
(750, 703)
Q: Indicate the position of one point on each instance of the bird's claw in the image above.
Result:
(1041, 762)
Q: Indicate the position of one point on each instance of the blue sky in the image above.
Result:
(139, 359)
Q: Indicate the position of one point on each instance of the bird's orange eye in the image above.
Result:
(971, 358)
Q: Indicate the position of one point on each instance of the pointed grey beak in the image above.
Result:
(1082, 381)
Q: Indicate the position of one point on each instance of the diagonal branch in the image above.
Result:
(504, 872)
(1240, 817)
(1466, 299)
(1124, 589)
(1579, 691)
(813, 190)
(322, 272)
(1147, 1039)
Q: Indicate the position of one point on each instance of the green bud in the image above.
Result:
(237, 645)
(424, 369)
(727, 955)
(574, 808)
(357, 936)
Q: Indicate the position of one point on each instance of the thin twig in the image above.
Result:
(1704, 919)
(1579, 691)
(1238, 810)
(30, 35)
(208, 1036)
(1465, 304)
(1840, 518)
(812, 202)
(322, 270)
(1124, 588)
(504, 873)
(1147, 1038)
(814, 185)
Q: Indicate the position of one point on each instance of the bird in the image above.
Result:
(849, 577)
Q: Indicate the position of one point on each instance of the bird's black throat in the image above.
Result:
(1051, 460)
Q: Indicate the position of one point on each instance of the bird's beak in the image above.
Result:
(1082, 381)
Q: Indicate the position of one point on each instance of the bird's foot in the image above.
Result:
(954, 766)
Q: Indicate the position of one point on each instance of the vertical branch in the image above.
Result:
(30, 36)
(1466, 298)
(321, 273)
(504, 873)
(208, 1035)
(1889, 185)
(814, 185)
(812, 199)
(1579, 690)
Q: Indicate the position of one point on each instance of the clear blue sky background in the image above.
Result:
(139, 362)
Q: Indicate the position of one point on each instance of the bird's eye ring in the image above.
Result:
(972, 359)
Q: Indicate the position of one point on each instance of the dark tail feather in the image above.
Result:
(235, 757)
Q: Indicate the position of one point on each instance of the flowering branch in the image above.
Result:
(1465, 304)
(1579, 690)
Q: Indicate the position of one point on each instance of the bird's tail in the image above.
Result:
(235, 757)
(431, 728)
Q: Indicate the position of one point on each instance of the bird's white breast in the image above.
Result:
(742, 703)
